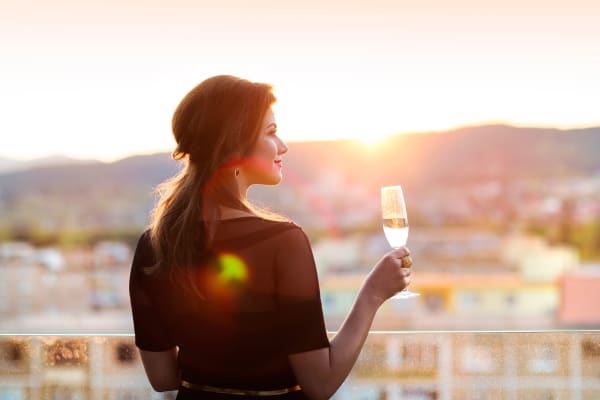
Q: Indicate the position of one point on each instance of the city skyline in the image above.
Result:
(101, 80)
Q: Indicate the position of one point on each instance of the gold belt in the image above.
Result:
(240, 392)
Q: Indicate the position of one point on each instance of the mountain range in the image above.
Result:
(12, 165)
(455, 156)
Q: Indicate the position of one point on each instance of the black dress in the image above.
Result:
(261, 303)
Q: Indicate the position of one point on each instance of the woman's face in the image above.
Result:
(264, 164)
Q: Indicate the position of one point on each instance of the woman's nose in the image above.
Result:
(282, 147)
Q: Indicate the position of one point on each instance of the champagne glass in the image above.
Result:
(395, 225)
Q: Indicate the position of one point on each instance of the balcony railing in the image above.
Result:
(393, 365)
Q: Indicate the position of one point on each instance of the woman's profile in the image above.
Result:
(225, 297)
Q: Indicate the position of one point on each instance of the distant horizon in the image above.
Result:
(120, 156)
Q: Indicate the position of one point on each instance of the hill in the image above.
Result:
(457, 156)
(120, 193)
(461, 155)
(8, 165)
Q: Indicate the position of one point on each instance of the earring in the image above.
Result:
(237, 172)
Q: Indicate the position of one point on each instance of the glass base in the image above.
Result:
(405, 294)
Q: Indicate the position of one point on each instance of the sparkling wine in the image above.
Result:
(395, 224)
(396, 231)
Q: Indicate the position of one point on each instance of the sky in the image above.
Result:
(101, 80)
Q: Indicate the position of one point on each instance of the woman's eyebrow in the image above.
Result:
(272, 125)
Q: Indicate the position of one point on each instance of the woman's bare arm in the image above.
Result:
(161, 369)
(321, 372)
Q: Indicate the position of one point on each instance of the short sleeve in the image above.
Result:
(302, 324)
(150, 331)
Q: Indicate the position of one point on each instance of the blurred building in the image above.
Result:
(469, 301)
(413, 366)
(76, 290)
(477, 366)
(537, 260)
(466, 280)
(580, 293)
(51, 368)
(110, 275)
(20, 275)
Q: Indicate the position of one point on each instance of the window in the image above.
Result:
(66, 353)
(544, 359)
(125, 353)
(12, 352)
(590, 348)
(13, 356)
(369, 361)
(469, 301)
(478, 359)
(419, 356)
(510, 300)
(412, 357)
(434, 302)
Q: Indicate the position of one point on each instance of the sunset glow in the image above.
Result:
(101, 80)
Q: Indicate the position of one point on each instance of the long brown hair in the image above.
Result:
(215, 125)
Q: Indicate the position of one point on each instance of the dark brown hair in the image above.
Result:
(215, 125)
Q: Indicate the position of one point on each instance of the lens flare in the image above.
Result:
(232, 269)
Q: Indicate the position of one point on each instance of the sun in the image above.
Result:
(372, 140)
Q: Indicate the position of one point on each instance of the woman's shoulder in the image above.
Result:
(283, 224)
(144, 242)
(286, 230)
(248, 231)
(144, 250)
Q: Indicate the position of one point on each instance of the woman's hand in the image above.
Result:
(388, 277)
(320, 372)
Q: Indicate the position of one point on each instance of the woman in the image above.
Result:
(225, 297)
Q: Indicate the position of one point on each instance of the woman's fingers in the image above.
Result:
(400, 252)
(406, 261)
(391, 274)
